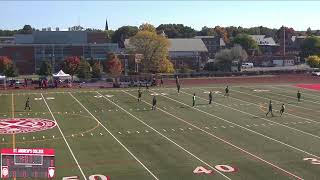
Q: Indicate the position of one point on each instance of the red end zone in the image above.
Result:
(309, 86)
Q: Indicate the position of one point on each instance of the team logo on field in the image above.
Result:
(25, 125)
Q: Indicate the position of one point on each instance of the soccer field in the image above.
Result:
(108, 132)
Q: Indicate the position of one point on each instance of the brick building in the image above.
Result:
(28, 51)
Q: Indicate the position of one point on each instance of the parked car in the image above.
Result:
(316, 73)
(247, 65)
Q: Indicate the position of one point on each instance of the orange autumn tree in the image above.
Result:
(5, 64)
(113, 65)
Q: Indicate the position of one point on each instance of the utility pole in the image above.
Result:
(284, 41)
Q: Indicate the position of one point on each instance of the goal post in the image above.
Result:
(3, 82)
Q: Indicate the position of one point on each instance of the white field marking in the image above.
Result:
(188, 152)
(181, 129)
(138, 132)
(207, 127)
(50, 98)
(235, 124)
(303, 132)
(154, 94)
(108, 95)
(97, 96)
(172, 129)
(91, 134)
(164, 130)
(37, 99)
(315, 102)
(295, 91)
(224, 141)
(33, 137)
(163, 94)
(64, 138)
(101, 134)
(146, 131)
(155, 177)
(2, 139)
(261, 90)
(273, 100)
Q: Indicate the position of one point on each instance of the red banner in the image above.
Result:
(17, 151)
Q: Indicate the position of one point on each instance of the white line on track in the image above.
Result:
(64, 138)
(303, 132)
(235, 124)
(155, 177)
(207, 164)
(226, 142)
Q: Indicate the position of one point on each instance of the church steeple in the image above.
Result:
(106, 28)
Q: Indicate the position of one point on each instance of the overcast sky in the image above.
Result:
(64, 14)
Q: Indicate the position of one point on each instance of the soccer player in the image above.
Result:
(154, 103)
(161, 82)
(27, 104)
(194, 99)
(178, 87)
(139, 95)
(270, 109)
(210, 97)
(226, 91)
(177, 80)
(282, 109)
(299, 95)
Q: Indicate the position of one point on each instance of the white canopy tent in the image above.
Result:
(61, 75)
(4, 79)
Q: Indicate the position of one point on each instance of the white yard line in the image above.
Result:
(303, 132)
(64, 138)
(281, 89)
(155, 177)
(226, 142)
(273, 100)
(235, 124)
(138, 119)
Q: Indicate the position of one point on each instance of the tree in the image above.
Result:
(147, 27)
(5, 64)
(114, 65)
(313, 61)
(11, 71)
(222, 33)
(206, 31)
(84, 69)
(152, 46)
(165, 66)
(45, 69)
(246, 42)
(176, 30)
(226, 58)
(310, 46)
(289, 32)
(109, 34)
(96, 70)
(123, 33)
(27, 29)
(309, 31)
(71, 65)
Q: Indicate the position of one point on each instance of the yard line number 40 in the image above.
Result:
(221, 168)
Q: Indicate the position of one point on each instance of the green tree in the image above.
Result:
(313, 61)
(246, 42)
(27, 29)
(84, 69)
(123, 33)
(176, 30)
(310, 46)
(206, 31)
(226, 58)
(109, 34)
(309, 32)
(147, 27)
(152, 46)
(96, 69)
(45, 69)
(11, 71)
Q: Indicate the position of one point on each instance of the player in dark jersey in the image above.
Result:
(270, 109)
(299, 96)
(178, 87)
(282, 109)
(210, 97)
(194, 99)
(226, 91)
(27, 104)
(139, 95)
(154, 103)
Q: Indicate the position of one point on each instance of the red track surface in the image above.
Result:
(309, 86)
(285, 78)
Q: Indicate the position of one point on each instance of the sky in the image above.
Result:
(92, 14)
